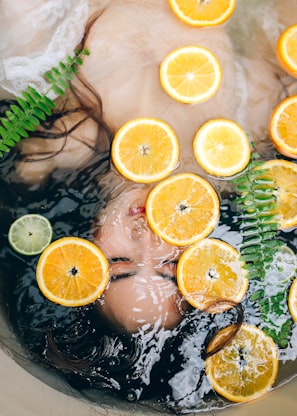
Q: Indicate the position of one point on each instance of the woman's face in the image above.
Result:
(142, 291)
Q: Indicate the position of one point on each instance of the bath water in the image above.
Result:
(159, 369)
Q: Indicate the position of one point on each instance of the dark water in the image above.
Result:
(162, 369)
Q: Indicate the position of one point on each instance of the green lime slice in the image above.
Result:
(30, 234)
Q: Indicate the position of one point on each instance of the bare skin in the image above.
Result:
(142, 291)
(127, 43)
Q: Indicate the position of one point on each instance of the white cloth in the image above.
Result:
(35, 36)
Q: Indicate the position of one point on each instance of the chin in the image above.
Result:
(128, 318)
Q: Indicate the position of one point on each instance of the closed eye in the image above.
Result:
(122, 275)
(116, 267)
(115, 260)
(169, 261)
(167, 269)
(171, 277)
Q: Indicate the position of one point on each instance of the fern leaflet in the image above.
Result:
(32, 108)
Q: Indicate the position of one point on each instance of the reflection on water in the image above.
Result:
(156, 365)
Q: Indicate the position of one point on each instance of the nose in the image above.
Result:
(142, 234)
(140, 228)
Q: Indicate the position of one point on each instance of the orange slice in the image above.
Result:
(211, 276)
(190, 74)
(283, 127)
(286, 50)
(145, 150)
(221, 147)
(183, 209)
(203, 13)
(284, 175)
(72, 272)
(292, 300)
(244, 369)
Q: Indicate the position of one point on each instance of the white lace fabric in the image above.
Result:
(35, 36)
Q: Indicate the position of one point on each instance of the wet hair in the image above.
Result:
(90, 354)
(122, 362)
(75, 342)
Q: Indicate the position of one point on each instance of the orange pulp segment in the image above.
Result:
(145, 150)
(245, 368)
(211, 276)
(190, 74)
(72, 271)
(221, 147)
(203, 13)
(183, 209)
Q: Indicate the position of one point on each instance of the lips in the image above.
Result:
(136, 210)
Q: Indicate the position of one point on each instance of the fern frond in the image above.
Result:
(258, 218)
(33, 108)
(256, 205)
(59, 77)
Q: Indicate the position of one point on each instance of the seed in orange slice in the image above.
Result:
(203, 13)
(286, 50)
(221, 147)
(145, 150)
(284, 175)
(292, 300)
(72, 271)
(183, 209)
(246, 368)
(283, 127)
(190, 74)
(211, 276)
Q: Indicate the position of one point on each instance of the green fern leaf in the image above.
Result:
(58, 90)
(34, 94)
(60, 76)
(4, 148)
(256, 206)
(39, 114)
(22, 104)
(6, 124)
(33, 108)
(29, 98)
(46, 105)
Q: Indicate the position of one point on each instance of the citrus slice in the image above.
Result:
(244, 369)
(203, 13)
(211, 276)
(145, 150)
(283, 127)
(190, 74)
(72, 271)
(284, 175)
(286, 50)
(183, 209)
(221, 147)
(292, 300)
(30, 234)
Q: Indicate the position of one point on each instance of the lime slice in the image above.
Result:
(30, 234)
